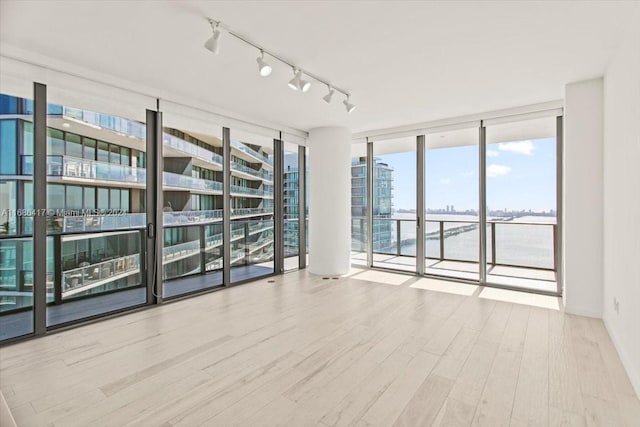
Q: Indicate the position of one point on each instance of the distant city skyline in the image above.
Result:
(521, 176)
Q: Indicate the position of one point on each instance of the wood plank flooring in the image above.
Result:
(363, 350)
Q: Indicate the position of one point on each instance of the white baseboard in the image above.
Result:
(579, 311)
(634, 376)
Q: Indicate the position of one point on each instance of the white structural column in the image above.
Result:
(583, 197)
(329, 200)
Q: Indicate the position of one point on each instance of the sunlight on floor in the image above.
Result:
(445, 286)
(382, 277)
(535, 300)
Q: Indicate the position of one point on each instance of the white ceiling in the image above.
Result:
(404, 62)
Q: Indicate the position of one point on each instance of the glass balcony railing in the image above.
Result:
(509, 243)
(261, 174)
(170, 179)
(83, 279)
(82, 223)
(105, 121)
(193, 150)
(73, 167)
(253, 153)
(251, 191)
(191, 217)
(181, 250)
(204, 216)
(240, 212)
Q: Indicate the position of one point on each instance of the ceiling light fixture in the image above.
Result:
(212, 44)
(349, 106)
(294, 83)
(263, 67)
(297, 83)
(327, 98)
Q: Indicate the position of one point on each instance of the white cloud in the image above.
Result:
(445, 181)
(492, 153)
(521, 147)
(497, 170)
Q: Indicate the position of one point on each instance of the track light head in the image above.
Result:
(297, 83)
(349, 106)
(294, 83)
(327, 98)
(263, 67)
(305, 85)
(212, 44)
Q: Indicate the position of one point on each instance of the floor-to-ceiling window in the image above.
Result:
(96, 213)
(291, 206)
(394, 235)
(452, 203)
(252, 206)
(98, 232)
(510, 163)
(16, 216)
(359, 235)
(521, 185)
(192, 204)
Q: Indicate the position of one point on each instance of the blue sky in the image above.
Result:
(520, 175)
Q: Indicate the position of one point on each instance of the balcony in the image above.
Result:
(170, 141)
(260, 174)
(189, 183)
(253, 153)
(83, 279)
(254, 192)
(85, 169)
(519, 253)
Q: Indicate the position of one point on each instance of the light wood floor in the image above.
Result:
(371, 349)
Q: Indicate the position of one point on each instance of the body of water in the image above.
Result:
(529, 245)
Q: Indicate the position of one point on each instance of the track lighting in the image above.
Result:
(212, 44)
(297, 83)
(263, 67)
(349, 106)
(327, 98)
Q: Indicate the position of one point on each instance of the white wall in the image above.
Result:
(583, 196)
(622, 202)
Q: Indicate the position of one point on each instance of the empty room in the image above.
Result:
(319, 213)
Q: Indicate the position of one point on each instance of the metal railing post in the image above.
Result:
(398, 239)
(493, 243)
(441, 240)
(203, 249)
(57, 269)
(555, 242)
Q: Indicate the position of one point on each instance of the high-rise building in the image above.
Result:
(382, 205)
(96, 203)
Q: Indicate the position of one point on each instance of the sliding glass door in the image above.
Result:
(493, 183)
(394, 201)
(452, 204)
(16, 220)
(522, 182)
